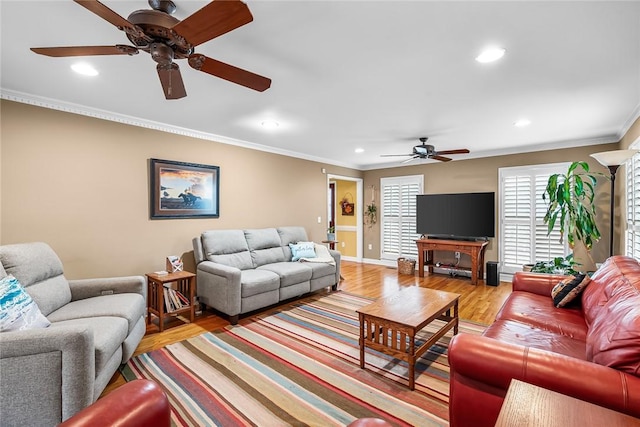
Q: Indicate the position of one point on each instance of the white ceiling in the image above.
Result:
(356, 74)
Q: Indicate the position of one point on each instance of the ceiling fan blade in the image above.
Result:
(442, 159)
(229, 72)
(461, 151)
(411, 159)
(213, 20)
(107, 14)
(171, 81)
(85, 50)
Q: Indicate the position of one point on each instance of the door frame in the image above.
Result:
(359, 212)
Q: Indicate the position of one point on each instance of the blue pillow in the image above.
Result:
(17, 309)
(302, 250)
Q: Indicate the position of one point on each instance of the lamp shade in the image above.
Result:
(613, 158)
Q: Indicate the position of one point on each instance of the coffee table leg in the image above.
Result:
(361, 316)
(412, 361)
(455, 316)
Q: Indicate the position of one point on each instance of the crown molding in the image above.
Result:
(630, 121)
(83, 110)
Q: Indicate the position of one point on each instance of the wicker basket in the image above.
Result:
(406, 266)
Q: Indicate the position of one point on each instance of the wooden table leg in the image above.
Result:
(362, 337)
(412, 360)
(455, 315)
(420, 261)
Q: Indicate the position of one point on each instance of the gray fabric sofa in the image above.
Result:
(239, 271)
(49, 374)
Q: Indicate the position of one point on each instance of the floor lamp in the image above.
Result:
(613, 160)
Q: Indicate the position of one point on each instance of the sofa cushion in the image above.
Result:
(321, 269)
(302, 250)
(530, 336)
(291, 234)
(568, 289)
(130, 307)
(614, 337)
(228, 247)
(108, 335)
(538, 311)
(265, 246)
(39, 270)
(18, 311)
(290, 273)
(605, 283)
(254, 282)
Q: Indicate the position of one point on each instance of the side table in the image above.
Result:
(186, 285)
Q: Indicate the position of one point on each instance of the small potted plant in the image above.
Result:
(331, 233)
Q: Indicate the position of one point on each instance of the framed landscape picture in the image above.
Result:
(184, 190)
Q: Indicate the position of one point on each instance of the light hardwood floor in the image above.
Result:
(477, 303)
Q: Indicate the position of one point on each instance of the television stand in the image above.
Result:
(475, 249)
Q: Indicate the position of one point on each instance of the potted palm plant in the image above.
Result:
(570, 205)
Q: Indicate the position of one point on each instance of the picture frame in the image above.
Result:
(183, 190)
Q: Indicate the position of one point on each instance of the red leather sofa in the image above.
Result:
(589, 350)
(139, 403)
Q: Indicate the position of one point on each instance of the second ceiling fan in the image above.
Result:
(166, 39)
(426, 151)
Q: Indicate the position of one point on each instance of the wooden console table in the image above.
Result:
(532, 406)
(473, 249)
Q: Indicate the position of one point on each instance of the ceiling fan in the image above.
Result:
(426, 151)
(166, 39)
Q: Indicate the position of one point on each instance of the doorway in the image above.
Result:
(345, 213)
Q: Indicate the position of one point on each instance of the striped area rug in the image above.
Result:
(297, 366)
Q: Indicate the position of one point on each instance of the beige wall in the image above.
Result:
(477, 175)
(81, 184)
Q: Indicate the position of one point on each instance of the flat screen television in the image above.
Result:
(464, 216)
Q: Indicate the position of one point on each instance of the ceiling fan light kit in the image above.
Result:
(167, 39)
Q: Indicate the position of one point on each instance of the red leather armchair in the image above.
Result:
(139, 403)
(590, 351)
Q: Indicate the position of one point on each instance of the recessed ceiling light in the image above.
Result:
(522, 123)
(359, 150)
(270, 124)
(84, 69)
(490, 54)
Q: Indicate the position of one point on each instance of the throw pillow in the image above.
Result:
(302, 250)
(17, 309)
(568, 289)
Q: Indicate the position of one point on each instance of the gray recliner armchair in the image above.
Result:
(49, 374)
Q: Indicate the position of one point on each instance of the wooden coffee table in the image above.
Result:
(390, 324)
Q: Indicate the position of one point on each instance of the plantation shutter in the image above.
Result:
(398, 216)
(523, 233)
(633, 207)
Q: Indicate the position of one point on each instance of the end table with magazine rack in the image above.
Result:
(185, 284)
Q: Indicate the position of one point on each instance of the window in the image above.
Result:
(633, 206)
(523, 233)
(398, 216)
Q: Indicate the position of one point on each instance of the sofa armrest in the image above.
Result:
(481, 369)
(89, 288)
(537, 283)
(135, 404)
(219, 287)
(337, 256)
(50, 371)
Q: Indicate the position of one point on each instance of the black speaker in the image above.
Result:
(492, 273)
